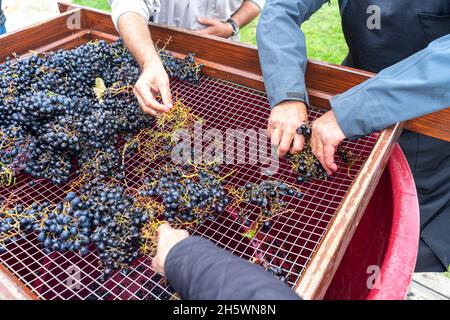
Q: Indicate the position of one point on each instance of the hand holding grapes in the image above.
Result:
(284, 121)
(152, 83)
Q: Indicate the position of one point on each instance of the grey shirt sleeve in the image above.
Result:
(145, 8)
(409, 89)
(282, 48)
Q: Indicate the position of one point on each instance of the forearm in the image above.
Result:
(144, 8)
(135, 33)
(411, 88)
(248, 11)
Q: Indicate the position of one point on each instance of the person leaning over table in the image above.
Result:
(199, 270)
(409, 46)
(221, 18)
(2, 20)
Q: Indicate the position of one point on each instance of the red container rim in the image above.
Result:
(399, 262)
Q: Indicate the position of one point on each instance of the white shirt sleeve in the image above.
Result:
(145, 8)
(260, 3)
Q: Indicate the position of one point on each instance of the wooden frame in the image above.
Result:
(238, 63)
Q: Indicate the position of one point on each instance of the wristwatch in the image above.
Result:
(235, 27)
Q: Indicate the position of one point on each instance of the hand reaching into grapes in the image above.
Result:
(168, 237)
(152, 83)
(284, 121)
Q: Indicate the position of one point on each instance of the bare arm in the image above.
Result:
(153, 80)
(243, 16)
(246, 13)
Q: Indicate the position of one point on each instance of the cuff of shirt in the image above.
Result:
(287, 89)
(176, 266)
(353, 113)
(260, 3)
(119, 7)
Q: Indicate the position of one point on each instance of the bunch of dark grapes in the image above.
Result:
(52, 120)
(305, 130)
(117, 225)
(66, 227)
(188, 194)
(61, 227)
(108, 219)
(186, 69)
(267, 196)
(10, 225)
(305, 163)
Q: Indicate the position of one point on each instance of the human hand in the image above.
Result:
(215, 27)
(152, 83)
(168, 237)
(325, 139)
(284, 121)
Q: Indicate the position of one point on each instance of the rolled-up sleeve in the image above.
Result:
(260, 3)
(282, 48)
(145, 8)
(409, 89)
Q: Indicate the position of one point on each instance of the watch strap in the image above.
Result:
(234, 26)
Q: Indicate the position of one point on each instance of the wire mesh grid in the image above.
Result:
(290, 243)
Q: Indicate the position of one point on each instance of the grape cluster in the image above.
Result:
(117, 227)
(9, 228)
(304, 130)
(188, 193)
(53, 118)
(107, 218)
(61, 227)
(267, 196)
(305, 163)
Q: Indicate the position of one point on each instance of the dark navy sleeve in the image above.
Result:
(199, 270)
(282, 48)
(409, 89)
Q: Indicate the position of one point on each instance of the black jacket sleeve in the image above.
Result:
(199, 270)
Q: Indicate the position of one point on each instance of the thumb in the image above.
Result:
(166, 95)
(329, 152)
(206, 21)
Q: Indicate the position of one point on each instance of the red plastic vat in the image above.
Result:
(380, 259)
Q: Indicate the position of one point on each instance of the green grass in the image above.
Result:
(324, 37)
(447, 274)
(98, 4)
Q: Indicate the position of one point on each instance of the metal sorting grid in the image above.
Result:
(290, 243)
